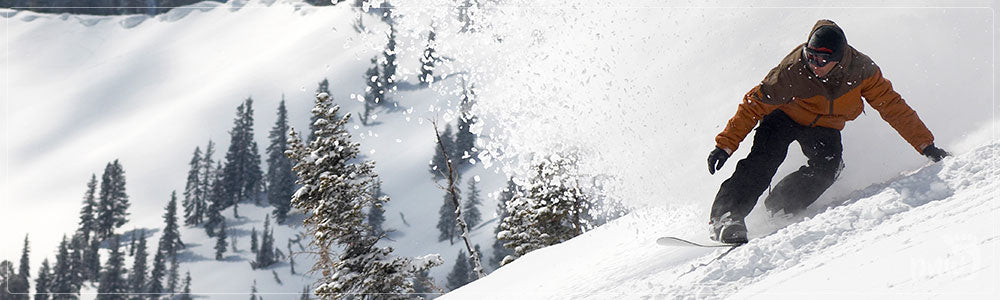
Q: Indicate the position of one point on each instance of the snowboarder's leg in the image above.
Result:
(753, 174)
(799, 189)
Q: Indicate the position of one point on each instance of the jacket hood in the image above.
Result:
(825, 22)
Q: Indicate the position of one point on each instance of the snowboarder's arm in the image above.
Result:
(747, 115)
(890, 105)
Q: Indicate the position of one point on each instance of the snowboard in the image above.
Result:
(679, 242)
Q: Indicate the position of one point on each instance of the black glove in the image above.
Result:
(935, 153)
(716, 159)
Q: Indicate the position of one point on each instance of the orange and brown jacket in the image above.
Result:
(826, 102)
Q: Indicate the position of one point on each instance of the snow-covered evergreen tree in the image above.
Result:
(87, 222)
(459, 275)
(112, 209)
(280, 178)
(137, 276)
(322, 88)
(194, 204)
(43, 281)
(207, 176)
(78, 248)
(429, 59)
(220, 241)
(63, 283)
(242, 175)
(156, 275)
(470, 210)
(439, 164)
(334, 190)
(552, 209)
(113, 285)
(170, 240)
(499, 251)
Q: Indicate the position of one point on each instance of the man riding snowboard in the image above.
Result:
(807, 98)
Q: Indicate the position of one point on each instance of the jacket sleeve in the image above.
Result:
(890, 105)
(749, 112)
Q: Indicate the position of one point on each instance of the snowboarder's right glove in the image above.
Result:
(716, 159)
(935, 153)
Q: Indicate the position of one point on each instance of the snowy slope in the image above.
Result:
(82, 91)
(929, 234)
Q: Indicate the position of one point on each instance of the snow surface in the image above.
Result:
(641, 89)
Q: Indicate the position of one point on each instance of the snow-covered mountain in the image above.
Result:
(640, 90)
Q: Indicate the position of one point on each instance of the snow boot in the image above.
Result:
(728, 230)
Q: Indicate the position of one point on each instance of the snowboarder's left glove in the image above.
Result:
(935, 153)
(716, 159)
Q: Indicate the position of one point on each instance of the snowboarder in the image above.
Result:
(807, 98)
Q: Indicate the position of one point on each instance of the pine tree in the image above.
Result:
(459, 275)
(253, 290)
(280, 178)
(265, 254)
(374, 91)
(137, 278)
(23, 272)
(242, 175)
(552, 209)
(335, 189)
(447, 224)
(112, 284)
(465, 140)
(194, 204)
(217, 202)
(207, 175)
(439, 164)
(376, 214)
(423, 284)
(173, 277)
(62, 275)
(155, 285)
(78, 247)
(112, 209)
(470, 211)
(323, 88)
(253, 240)
(131, 245)
(429, 59)
(389, 69)
(87, 222)
(43, 281)
(170, 240)
(186, 293)
(9, 277)
(499, 251)
(220, 241)
(92, 259)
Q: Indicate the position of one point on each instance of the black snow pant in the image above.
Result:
(795, 192)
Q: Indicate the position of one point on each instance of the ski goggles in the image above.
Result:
(818, 57)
